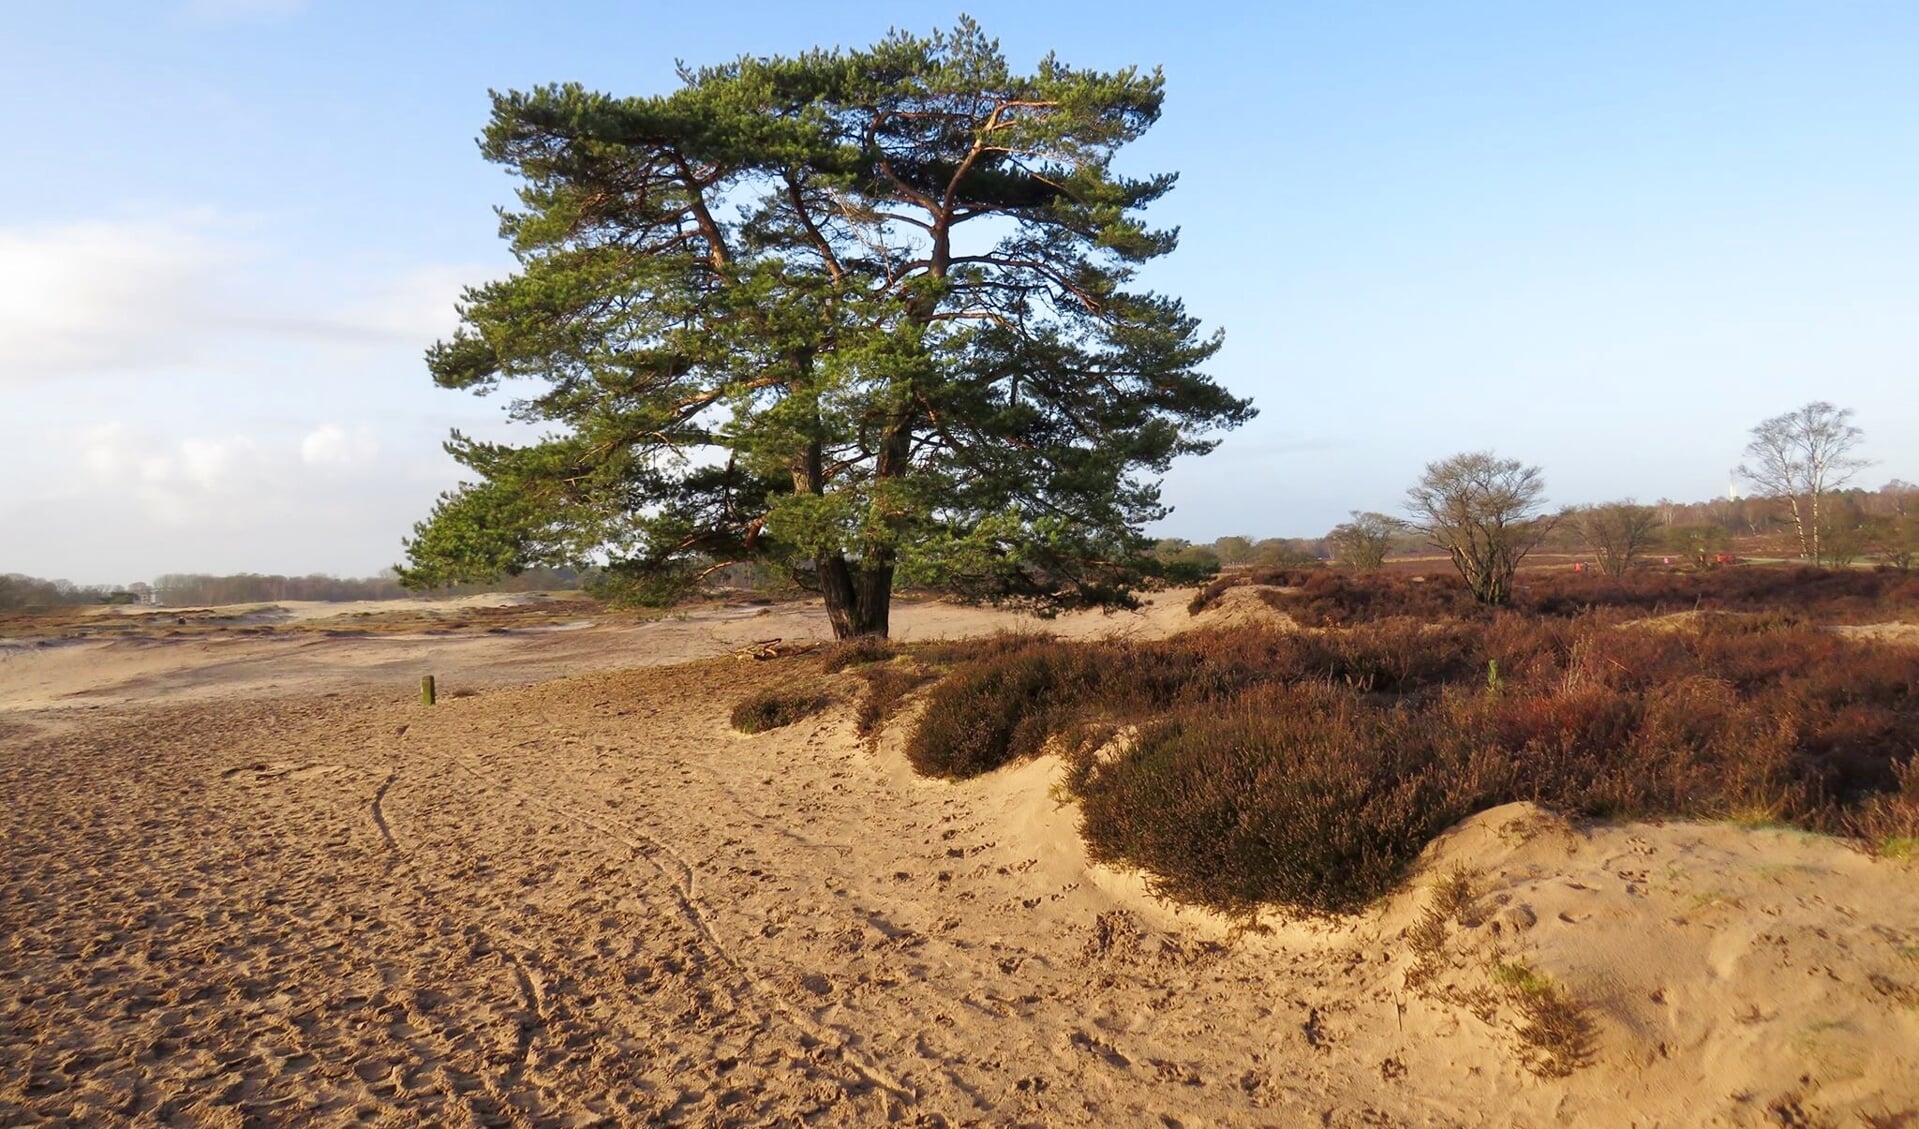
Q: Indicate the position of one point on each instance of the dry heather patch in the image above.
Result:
(1328, 598)
(887, 686)
(1298, 794)
(860, 651)
(778, 707)
(1311, 769)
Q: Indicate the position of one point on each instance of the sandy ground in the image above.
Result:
(251, 880)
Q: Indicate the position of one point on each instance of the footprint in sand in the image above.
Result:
(255, 775)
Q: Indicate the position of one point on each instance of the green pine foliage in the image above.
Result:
(864, 314)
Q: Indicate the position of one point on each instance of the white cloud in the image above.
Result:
(104, 295)
(419, 305)
(331, 445)
(213, 465)
(199, 290)
(176, 481)
(138, 496)
(413, 308)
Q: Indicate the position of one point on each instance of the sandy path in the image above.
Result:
(586, 902)
(331, 928)
(566, 904)
(146, 665)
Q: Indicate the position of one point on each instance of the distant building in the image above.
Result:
(143, 593)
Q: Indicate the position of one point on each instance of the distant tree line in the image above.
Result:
(179, 589)
(19, 592)
(1182, 561)
(1489, 513)
(1854, 524)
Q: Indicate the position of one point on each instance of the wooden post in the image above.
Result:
(426, 689)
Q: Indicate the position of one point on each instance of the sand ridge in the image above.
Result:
(279, 891)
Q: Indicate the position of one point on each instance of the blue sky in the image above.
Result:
(1607, 239)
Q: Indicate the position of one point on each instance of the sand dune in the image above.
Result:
(252, 881)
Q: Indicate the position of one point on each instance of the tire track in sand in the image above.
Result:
(379, 815)
(534, 1008)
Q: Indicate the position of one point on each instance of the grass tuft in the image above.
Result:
(1555, 1028)
(1453, 896)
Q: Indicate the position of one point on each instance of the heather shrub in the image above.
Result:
(776, 708)
(1004, 705)
(978, 648)
(1310, 769)
(1339, 599)
(995, 710)
(1296, 794)
(1201, 667)
(858, 651)
(886, 686)
(1395, 656)
(1259, 575)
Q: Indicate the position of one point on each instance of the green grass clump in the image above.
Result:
(776, 708)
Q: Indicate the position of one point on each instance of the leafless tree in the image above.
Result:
(1485, 512)
(1899, 498)
(1894, 540)
(1364, 541)
(1800, 457)
(1618, 532)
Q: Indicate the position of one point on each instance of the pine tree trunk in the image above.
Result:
(859, 600)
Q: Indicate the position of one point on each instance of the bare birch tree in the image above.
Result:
(1801, 457)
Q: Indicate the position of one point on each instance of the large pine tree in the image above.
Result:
(861, 314)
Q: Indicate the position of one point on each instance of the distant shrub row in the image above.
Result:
(1323, 598)
(1310, 769)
